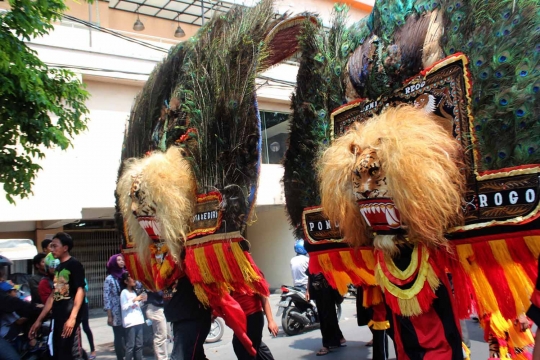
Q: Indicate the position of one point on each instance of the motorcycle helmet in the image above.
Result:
(299, 247)
(51, 262)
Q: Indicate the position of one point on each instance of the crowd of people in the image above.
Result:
(58, 290)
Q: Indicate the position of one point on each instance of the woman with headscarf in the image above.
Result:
(111, 300)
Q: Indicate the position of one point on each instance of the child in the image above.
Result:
(132, 318)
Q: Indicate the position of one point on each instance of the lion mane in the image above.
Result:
(169, 186)
(422, 162)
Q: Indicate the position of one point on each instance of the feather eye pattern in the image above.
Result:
(502, 41)
(503, 38)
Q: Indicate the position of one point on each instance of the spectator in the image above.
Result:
(46, 285)
(86, 325)
(154, 312)
(9, 304)
(45, 246)
(34, 280)
(299, 265)
(132, 317)
(326, 298)
(111, 298)
(65, 301)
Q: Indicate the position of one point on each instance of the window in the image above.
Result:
(275, 131)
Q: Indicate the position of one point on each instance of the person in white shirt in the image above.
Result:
(299, 265)
(132, 317)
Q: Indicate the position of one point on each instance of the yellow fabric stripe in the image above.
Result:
(201, 294)
(487, 302)
(369, 259)
(245, 266)
(342, 279)
(379, 325)
(520, 284)
(202, 264)
(533, 242)
(225, 271)
(348, 261)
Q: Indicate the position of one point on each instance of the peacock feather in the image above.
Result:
(502, 41)
(320, 89)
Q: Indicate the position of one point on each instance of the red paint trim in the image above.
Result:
(503, 236)
(503, 170)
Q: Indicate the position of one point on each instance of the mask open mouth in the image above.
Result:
(380, 213)
(151, 226)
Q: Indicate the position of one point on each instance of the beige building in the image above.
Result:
(75, 190)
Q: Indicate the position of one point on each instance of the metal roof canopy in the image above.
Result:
(184, 11)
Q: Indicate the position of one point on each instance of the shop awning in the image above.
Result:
(18, 249)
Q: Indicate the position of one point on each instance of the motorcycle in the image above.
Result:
(296, 312)
(217, 328)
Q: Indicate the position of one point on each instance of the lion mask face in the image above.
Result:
(372, 193)
(369, 178)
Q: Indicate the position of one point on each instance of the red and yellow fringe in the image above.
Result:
(421, 272)
(155, 275)
(342, 267)
(222, 266)
(499, 271)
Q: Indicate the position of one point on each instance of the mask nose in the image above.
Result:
(366, 193)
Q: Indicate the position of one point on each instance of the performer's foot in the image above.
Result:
(370, 343)
(323, 351)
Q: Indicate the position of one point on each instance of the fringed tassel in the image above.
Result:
(519, 282)
(261, 287)
(466, 352)
(415, 300)
(357, 267)
(461, 285)
(495, 273)
(216, 269)
(372, 296)
(223, 266)
(369, 259)
(533, 243)
(486, 300)
(520, 253)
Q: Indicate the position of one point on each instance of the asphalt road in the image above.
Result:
(301, 346)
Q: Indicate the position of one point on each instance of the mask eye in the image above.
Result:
(374, 171)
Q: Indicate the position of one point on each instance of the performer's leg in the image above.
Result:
(264, 352)
(189, 336)
(255, 324)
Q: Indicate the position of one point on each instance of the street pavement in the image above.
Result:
(301, 346)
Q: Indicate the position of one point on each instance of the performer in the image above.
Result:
(372, 165)
(534, 314)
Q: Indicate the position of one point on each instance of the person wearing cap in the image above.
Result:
(11, 307)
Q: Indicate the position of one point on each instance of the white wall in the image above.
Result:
(85, 175)
(272, 244)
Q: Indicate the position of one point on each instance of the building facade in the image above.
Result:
(75, 190)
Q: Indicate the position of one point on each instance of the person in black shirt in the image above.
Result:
(39, 273)
(190, 320)
(65, 301)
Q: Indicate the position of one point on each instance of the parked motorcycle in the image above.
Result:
(296, 312)
(353, 292)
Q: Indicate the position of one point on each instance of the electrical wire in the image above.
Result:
(114, 33)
